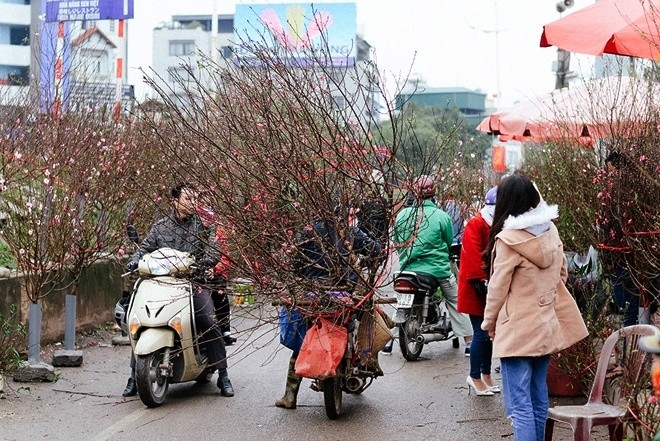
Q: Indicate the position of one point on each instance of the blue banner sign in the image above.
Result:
(78, 10)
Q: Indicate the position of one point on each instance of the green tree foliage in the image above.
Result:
(12, 333)
(438, 142)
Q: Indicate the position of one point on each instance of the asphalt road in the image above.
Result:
(426, 399)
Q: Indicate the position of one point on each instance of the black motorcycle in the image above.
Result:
(420, 317)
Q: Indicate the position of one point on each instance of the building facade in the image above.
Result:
(470, 103)
(91, 50)
(179, 45)
(15, 22)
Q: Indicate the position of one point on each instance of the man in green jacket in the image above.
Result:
(423, 234)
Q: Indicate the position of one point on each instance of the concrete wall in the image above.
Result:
(100, 287)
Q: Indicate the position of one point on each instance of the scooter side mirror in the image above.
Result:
(132, 234)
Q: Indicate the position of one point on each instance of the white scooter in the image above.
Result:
(161, 326)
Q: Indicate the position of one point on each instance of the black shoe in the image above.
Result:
(229, 340)
(131, 388)
(226, 389)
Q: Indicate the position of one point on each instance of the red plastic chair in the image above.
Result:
(634, 364)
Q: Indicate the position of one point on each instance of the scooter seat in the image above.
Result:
(423, 281)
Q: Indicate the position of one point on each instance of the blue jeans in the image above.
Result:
(481, 349)
(525, 393)
(625, 295)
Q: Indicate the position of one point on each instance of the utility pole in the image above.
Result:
(563, 56)
(563, 68)
(497, 32)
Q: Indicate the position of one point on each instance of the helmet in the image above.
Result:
(491, 196)
(424, 187)
(120, 313)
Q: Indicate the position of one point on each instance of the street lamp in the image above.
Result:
(562, 5)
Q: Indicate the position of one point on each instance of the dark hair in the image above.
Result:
(175, 192)
(516, 195)
(617, 159)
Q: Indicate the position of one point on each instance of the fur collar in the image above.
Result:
(539, 216)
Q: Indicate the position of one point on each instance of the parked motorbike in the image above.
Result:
(420, 317)
(161, 325)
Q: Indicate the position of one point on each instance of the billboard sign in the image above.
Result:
(78, 10)
(301, 30)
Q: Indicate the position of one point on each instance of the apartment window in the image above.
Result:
(19, 35)
(339, 102)
(177, 74)
(226, 51)
(111, 26)
(181, 48)
(226, 25)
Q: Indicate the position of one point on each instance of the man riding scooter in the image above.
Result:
(183, 230)
(424, 234)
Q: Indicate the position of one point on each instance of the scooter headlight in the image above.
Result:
(175, 323)
(134, 325)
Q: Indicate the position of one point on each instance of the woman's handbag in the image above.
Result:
(322, 350)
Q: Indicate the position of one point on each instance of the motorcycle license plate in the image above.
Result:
(404, 300)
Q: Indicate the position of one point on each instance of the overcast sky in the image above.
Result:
(479, 44)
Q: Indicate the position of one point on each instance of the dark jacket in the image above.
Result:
(187, 235)
(373, 220)
(322, 254)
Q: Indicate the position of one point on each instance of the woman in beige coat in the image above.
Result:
(529, 312)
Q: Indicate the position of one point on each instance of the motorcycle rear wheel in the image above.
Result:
(151, 384)
(411, 349)
(332, 393)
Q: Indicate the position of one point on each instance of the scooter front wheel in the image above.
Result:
(332, 392)
(151, 383)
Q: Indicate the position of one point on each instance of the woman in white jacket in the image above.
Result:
(529, 312)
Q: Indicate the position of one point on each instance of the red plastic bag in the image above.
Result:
(322, 350)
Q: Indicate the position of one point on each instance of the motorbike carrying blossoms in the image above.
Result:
(334, 330)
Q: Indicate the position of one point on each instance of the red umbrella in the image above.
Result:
(593, 108)
(621, 27)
